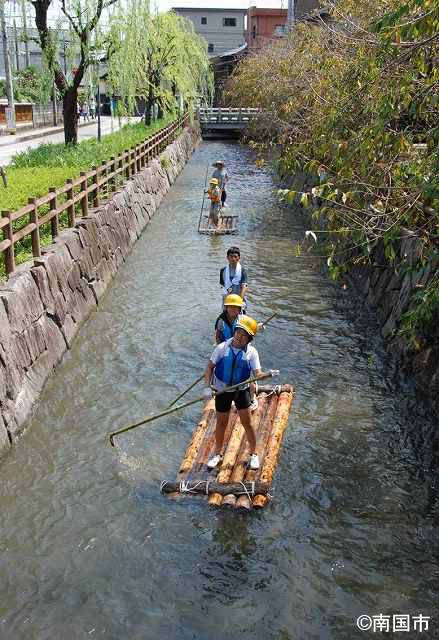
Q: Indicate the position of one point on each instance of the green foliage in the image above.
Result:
(28, 182)
(422, 315)
(156, 57)
(49, 165)
(32, 85)
(88, 152)
(355, 105)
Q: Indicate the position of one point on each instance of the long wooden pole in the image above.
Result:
(186, 390)
(204, 193)
(233, 387)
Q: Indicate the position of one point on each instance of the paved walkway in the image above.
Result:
(10, 145)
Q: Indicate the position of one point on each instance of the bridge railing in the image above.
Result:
(75, 198)
(226, 115)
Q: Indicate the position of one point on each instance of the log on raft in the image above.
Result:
(240, 467)
(229, 458)
(244, 502)
(213, 487)
(273, 445)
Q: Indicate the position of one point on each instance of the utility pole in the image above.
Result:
(290, 15)
(25, 36)
(10, 109)
(17, 50)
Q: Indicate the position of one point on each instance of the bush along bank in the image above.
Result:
(44, 303)
(351, 100)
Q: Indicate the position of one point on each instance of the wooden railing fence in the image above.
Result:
(76, 196)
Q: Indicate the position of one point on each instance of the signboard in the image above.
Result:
(10, 118)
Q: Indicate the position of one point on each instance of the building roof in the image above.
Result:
(210, 9)
(267, 12)
(231, 52)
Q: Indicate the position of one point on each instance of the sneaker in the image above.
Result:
(254, 461)
(225, 205)
(214, 462)
(254, 405)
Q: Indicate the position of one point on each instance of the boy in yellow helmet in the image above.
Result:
(226, 322)
(214, 195)
(232, 362)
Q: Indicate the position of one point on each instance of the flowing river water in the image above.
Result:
(89, 546)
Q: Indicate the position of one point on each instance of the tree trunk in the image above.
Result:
(70, 111)
(160, 112)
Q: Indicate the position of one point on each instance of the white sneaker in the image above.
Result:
(254, 405)
(214, 462)
(225, 205)
(254, 461)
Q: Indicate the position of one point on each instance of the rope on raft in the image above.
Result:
(187, 487)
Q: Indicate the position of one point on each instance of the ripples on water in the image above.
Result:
(89, 548)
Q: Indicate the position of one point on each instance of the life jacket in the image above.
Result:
(214, 194)
(232, 368)
(227, 329)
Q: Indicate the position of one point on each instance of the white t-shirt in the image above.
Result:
(251, 355)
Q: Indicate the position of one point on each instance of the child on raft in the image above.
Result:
(214, 195)
(232, 362)
(222, 176)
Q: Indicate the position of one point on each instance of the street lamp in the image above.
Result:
(96, 57)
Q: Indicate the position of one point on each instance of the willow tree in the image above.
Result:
(83, 18)
(156, 57)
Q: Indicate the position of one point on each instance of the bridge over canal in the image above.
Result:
(225, 122)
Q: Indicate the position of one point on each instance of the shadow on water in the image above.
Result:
(89, 547)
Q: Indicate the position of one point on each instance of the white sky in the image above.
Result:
(13, 7)
(164, 5)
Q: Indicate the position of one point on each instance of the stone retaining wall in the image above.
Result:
(387, 290)
(44, 303)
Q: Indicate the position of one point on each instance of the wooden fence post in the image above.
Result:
(8, 234)
(96, 183)
(104, 173)
(127, 166)
(71, 207)
(120, 174)
(54, 226)
(112, 170)
(35, 233)
(84, 189)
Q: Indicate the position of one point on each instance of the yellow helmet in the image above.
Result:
(249, 325)
(233, 300)
(214, 181)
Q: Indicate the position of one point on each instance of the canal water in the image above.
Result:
(89, 546)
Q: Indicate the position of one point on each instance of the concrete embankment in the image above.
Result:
(44, 303)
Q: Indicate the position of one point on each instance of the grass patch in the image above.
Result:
(32, 172)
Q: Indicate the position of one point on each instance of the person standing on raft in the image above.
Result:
(222, 176)
(226, 322)
(233, 277)
(214, 195)
(232, 362)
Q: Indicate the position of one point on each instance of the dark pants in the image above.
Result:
(223, 196)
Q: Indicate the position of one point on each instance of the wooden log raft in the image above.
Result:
(226, 225)
(233, 483)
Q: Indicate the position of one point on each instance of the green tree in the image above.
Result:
(83, 18)
(154, 57)
(357, 98)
